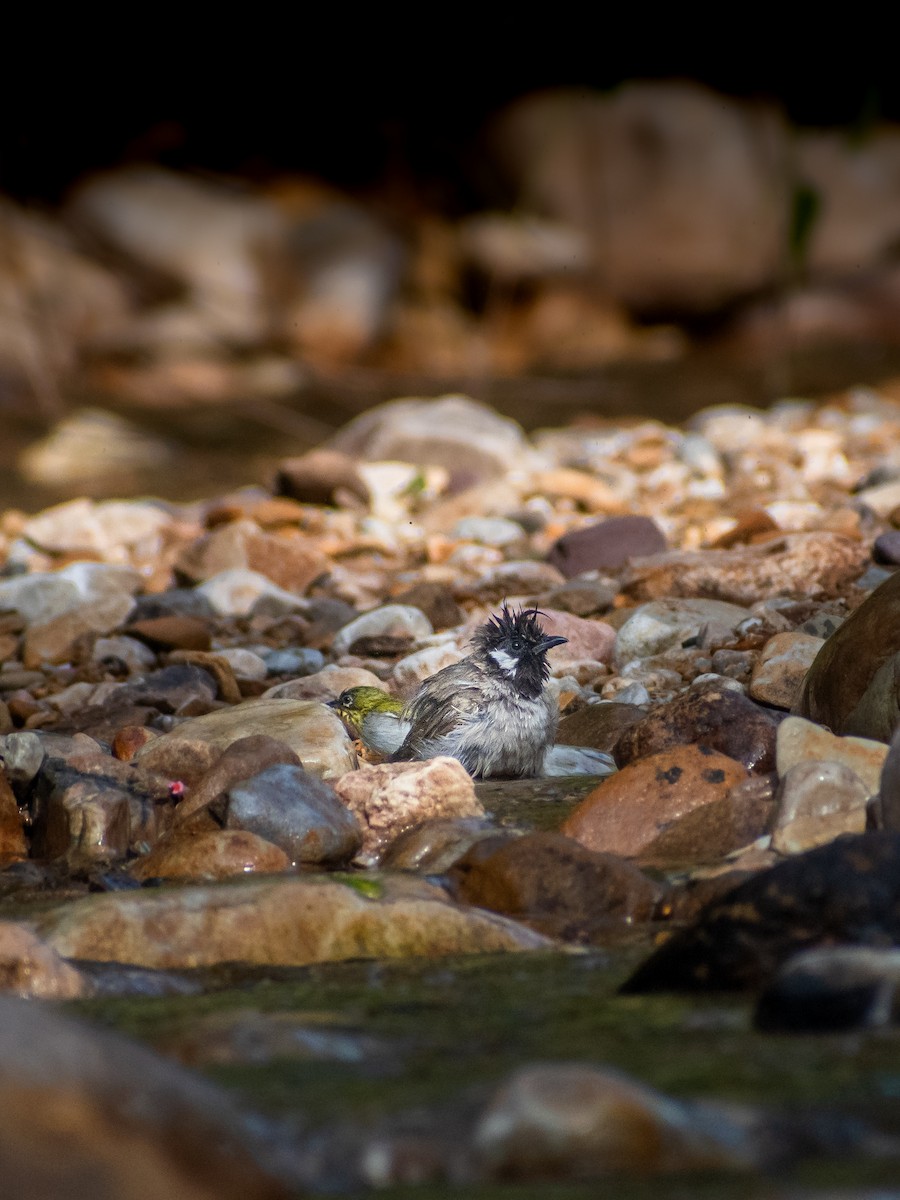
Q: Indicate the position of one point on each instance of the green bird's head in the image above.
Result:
(355, 704)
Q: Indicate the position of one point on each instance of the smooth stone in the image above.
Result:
(173, 688)
(128, 650)
(69, 1129)
(54, 641)
(432, 847)
(852, 685)
(806, 564)
(172, 631)
(846, 891)
(389, 798)
(400, 621)
(488, 531)
(415, 668)
(714, 716)
(324, 685)
(43, 596)
(888, 805)
(523, 577)
(563, 761)
(213, 854)
(575, 1121)
(177, 601)
(832, 989)
(291, 562)
(311, 730)
(554, 885)
(663, 624)
(592, 640)
(102, 527)
(242, 759)
(297, 812)
(244, 663)
(606, 545)
(236, 591)
(627, 812)
(290, 921)
(715, 831)
(321, 477)
(822, 624)
(886, 548)
(781, 668)
(803, 741)
(582, 596)
(436, 602)
(598, 725)
(818, 801)
(21, 754)
(455, 432)
(303, 660)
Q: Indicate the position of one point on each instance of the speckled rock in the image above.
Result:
(818, 801)
(800, 564)
(803, 741)
(711, 715)
(311, 730)
(399, 621)
(213, 854)
(388, 798)
(628, 811)
(852, 685)
(606, 546)
(289, 921)
(555, 885)
(662, 624)
(585, 640)
(781, 668)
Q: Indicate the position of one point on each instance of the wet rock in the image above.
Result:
(832, 989)
(291, 561)
(571, 1121)
(13, 845)
(886, 548)
(311, 730)
(30, 968)
(453, 432)
(63, 1085)
(134, 655)
(235, 593)
(846, 891)
(852, 685)
(54, 641)
(628, 812)
(798, 564)
(554, 885)
(432, 847)
(388, 798)
(93, 808)
(606, 546)
(803, 741)
(321, 477)
(287, 921)
(213, 854)
(781, 668)
(390, 620)
(22, 754)
(666, 624)
(818, 801)
(598, 725)
(713, 716)
(175, 631)
(242, 759)
(297, 812)
(718, 830)
(564, 761)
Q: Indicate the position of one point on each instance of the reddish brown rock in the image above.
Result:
(213, 854)
(128, 741)
(781, 668)
(628, 812)
(13, 845)
(289, 559)
(712, 716)
(798, 564)
(321, 477)
(555, 885)
(28, 967)
(54, 641)
(241, 760)
(715, 830)
(607, 545)
(173, 632)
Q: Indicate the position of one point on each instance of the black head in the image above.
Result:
(514, 646)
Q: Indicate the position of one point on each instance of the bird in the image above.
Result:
(376, 718)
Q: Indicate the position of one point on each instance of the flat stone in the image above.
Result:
(324, 685)
(128, 650)
(781, 668)
(240, 760)
(627, 812)
(591, 640)
(554, 885)
(798, 564)
(389, 798)
(321, 477)
(598, 725)
(288, 921)
(711, 715)
(390, 620)
(311, 730)
(436, 602)
(432, 847)
(53, 641)
(606, 546)
(803, 741)
(290, 560)
(817, 802)
(42, 596)
(666, 624)
(886, 547)
(236, 591)
(213, 854)
(174, 631)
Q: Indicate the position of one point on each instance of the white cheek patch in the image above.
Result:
(506, 662)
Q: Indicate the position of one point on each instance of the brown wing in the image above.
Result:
(441, 704)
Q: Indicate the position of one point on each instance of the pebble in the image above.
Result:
(434, 846)
(607, 545)
(886, 548)
(489, 531)
(626, 813)
(303, 660)
(291, 562)
(664, 624)
(29, 968)
(174, 631)
(413, 669)
(801, 741)
(389, 798)
(325, 685)
(214, 854)
(782, 667)
(598, 725)
(236, 591)
(400, 621)
(54, 641)
(122, 649)
(817, 802)
(244, 663)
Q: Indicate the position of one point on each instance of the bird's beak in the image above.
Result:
(334, 704)
(549, 642)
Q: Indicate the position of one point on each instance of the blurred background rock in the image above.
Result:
(218, 245)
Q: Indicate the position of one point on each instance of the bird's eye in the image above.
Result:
(344, 699)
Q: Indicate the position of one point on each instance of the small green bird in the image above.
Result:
(375, 717)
